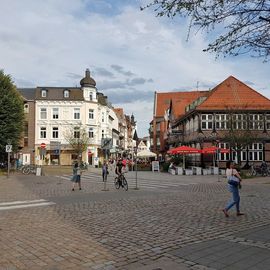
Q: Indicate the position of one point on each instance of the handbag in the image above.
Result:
(233, 180)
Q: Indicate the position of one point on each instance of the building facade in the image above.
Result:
(170, 104)
(232, 116)
(59, 114)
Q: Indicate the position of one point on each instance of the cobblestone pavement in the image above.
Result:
(180, 227)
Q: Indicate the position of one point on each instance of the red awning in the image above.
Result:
(214, 149)
(184, 150)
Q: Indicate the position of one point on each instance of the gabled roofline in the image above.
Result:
(216, 88)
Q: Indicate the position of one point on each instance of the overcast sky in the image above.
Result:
(130, 53)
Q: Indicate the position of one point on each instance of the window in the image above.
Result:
(66, 94)
(26, 108)
(76, 132)
(55, 133)
(91, 133)
(25, 141)
(103, 117)
(43, 113)
(43, 93)
(256, 152)
(239, 121)
(55, 113)
(91, 96)
(207, 121)
(43, 133)
(222, 121)
(102, 134)
(110, 119)
(243, 155)
(91, 114)
(25, 134)
(256, 121)
(77, 113)
(26, 129)
(268, 121)
(224, 156)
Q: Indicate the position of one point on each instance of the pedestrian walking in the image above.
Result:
(105, 171)
(234, 183)
(76, 177)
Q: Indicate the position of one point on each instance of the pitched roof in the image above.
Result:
(234, 94)
(57, 93)
(27, 93)
(179, 101)
(119, 111)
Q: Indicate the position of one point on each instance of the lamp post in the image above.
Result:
(217, 153)
(8, 150)
(135, 138)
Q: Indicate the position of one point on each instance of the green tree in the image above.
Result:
(11, 114)
(239, 136)
(78, 139)
(237, 27)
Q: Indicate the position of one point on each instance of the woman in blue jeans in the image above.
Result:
(234, 189)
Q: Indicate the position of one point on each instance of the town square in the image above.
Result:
(134, 134)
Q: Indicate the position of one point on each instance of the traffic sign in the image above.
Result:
(106, 143)
(8, 148)
(43, 145)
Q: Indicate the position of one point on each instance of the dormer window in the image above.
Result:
(43, 93)
(91, 96)
(66, 94)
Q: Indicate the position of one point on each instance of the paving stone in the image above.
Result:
(90, 228)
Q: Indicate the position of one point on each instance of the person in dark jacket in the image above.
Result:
(76, 178)
(104, 171)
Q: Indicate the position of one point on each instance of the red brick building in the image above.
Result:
(165, 104)
(229, 113)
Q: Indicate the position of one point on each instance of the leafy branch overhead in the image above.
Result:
(238, 27)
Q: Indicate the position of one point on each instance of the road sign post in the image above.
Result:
(8, 150)
(43, 145)
(106, 145)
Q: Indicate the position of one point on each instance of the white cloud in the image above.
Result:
(52, 42)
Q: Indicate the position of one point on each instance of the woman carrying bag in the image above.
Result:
(234, 183)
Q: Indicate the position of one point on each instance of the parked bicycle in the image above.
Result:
(259, 170)
(121, 181)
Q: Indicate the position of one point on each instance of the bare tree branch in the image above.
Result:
(244, 24)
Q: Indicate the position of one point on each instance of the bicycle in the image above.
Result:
(257, 170)
(120, 180)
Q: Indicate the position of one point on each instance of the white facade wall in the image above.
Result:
(65, 121)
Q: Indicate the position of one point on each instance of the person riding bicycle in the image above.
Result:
(263, 168)
(118, 170)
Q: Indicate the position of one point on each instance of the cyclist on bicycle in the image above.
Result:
(263, 168)
(118, 170)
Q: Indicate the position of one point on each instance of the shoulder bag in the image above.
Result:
(233, 180)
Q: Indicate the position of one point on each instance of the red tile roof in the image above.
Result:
(179, 101)
(234, 94)
(119, 111)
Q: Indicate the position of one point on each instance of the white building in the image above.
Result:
(59, 110)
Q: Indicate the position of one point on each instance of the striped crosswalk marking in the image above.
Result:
(143, 183)
(24, 204)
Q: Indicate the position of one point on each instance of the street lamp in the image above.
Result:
(135, 138)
